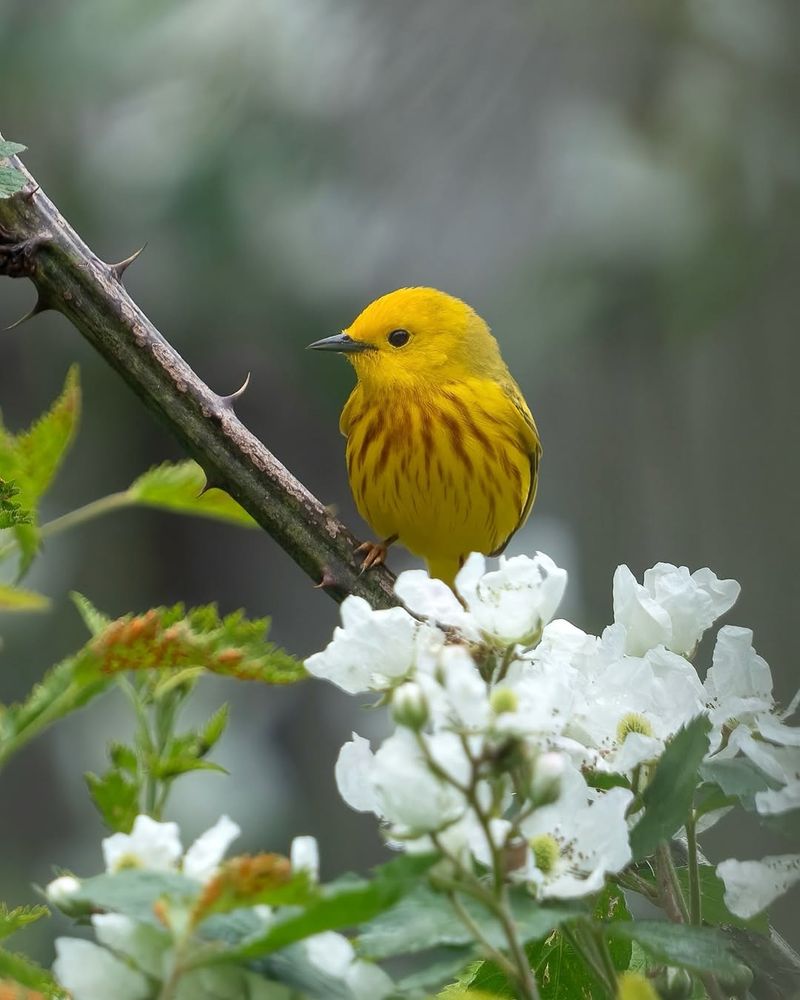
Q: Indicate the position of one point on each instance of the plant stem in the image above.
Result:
(38, 243)
(695, 896)
(489, 950)
(669, 891)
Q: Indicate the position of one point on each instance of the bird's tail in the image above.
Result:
(444, 569)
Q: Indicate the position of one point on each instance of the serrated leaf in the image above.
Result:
(738, 776)
(94, 620)
(22, 970)
(177, 487)
(11, 181)
(425, 919)
(173, 639)
(39, 451)
(8, 148)
(116, 798)
(699, 949)
(11, 512)
(14, 920)
(345, 903)
(33, 458)
(123, 758)
(447, 964)
(134, 892)
(212, 731)
(17, 599)
(668, 796)
(64, 689)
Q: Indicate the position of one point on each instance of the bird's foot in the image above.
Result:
(374, 552)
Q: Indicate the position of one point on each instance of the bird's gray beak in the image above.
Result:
(342, 343)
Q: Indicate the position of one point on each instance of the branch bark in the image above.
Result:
(38, 243)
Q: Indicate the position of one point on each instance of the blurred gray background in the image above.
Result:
(614, 186)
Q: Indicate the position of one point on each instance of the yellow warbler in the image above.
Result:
(442, 450)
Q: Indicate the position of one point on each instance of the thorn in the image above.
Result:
(122, 266)
(29, 195)
(228, 401)
(40, 306)
(211, 483)
(328, 579)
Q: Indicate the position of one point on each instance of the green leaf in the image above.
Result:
(177, 487)
(33, 458)
(212, 731)
(446, 965)
(425, 919)
(93, 619)
(12, 921)
(699, 949)
(738, 776)
(11, 512)
(64, 689)
(345, 903)
(21, 970)
(10, 148)
(116, 798)
(668, 796)
(134, 892)
(174, 639)
(39, 451)
(11, 181)
(611, 906)
(17, 599)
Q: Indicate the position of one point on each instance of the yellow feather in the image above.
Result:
(442, 451)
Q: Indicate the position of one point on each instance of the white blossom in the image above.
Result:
(750, 886)
(203, 858)
(672, 608)
(334, 955)
(150, 844)
(575, 842)
(304, 856)
(61, 890)
(398, 784)
(90, 972)
(157, 847)
(371, 648)
(513, 603)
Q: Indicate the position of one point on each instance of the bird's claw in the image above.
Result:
(375, 554)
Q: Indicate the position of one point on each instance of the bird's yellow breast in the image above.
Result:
(448, 470)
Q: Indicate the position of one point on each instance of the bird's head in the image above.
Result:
(415, 337)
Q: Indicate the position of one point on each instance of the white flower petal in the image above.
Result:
(90, 972)
(354, 767)
(750, 886)
(204, 856)
(778, 732)
(775, 801)
(330, 952)
(150, 845)
(431, 598)
(647, 624)
(513, 603)
(738, 681)
(368, 648)
(304, 856)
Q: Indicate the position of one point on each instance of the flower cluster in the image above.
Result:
(134, 957)
(522, 742)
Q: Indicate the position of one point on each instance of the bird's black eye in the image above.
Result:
(398, 337)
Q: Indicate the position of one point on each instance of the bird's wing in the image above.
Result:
(529, 440)
(353, 410)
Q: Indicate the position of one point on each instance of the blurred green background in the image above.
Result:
(614, 186)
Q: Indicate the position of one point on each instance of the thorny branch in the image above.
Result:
(36, 242)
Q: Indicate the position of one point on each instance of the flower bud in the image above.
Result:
(61, 892)
(304, 856)
(409, 706)
(548, 769)
(674, 984)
